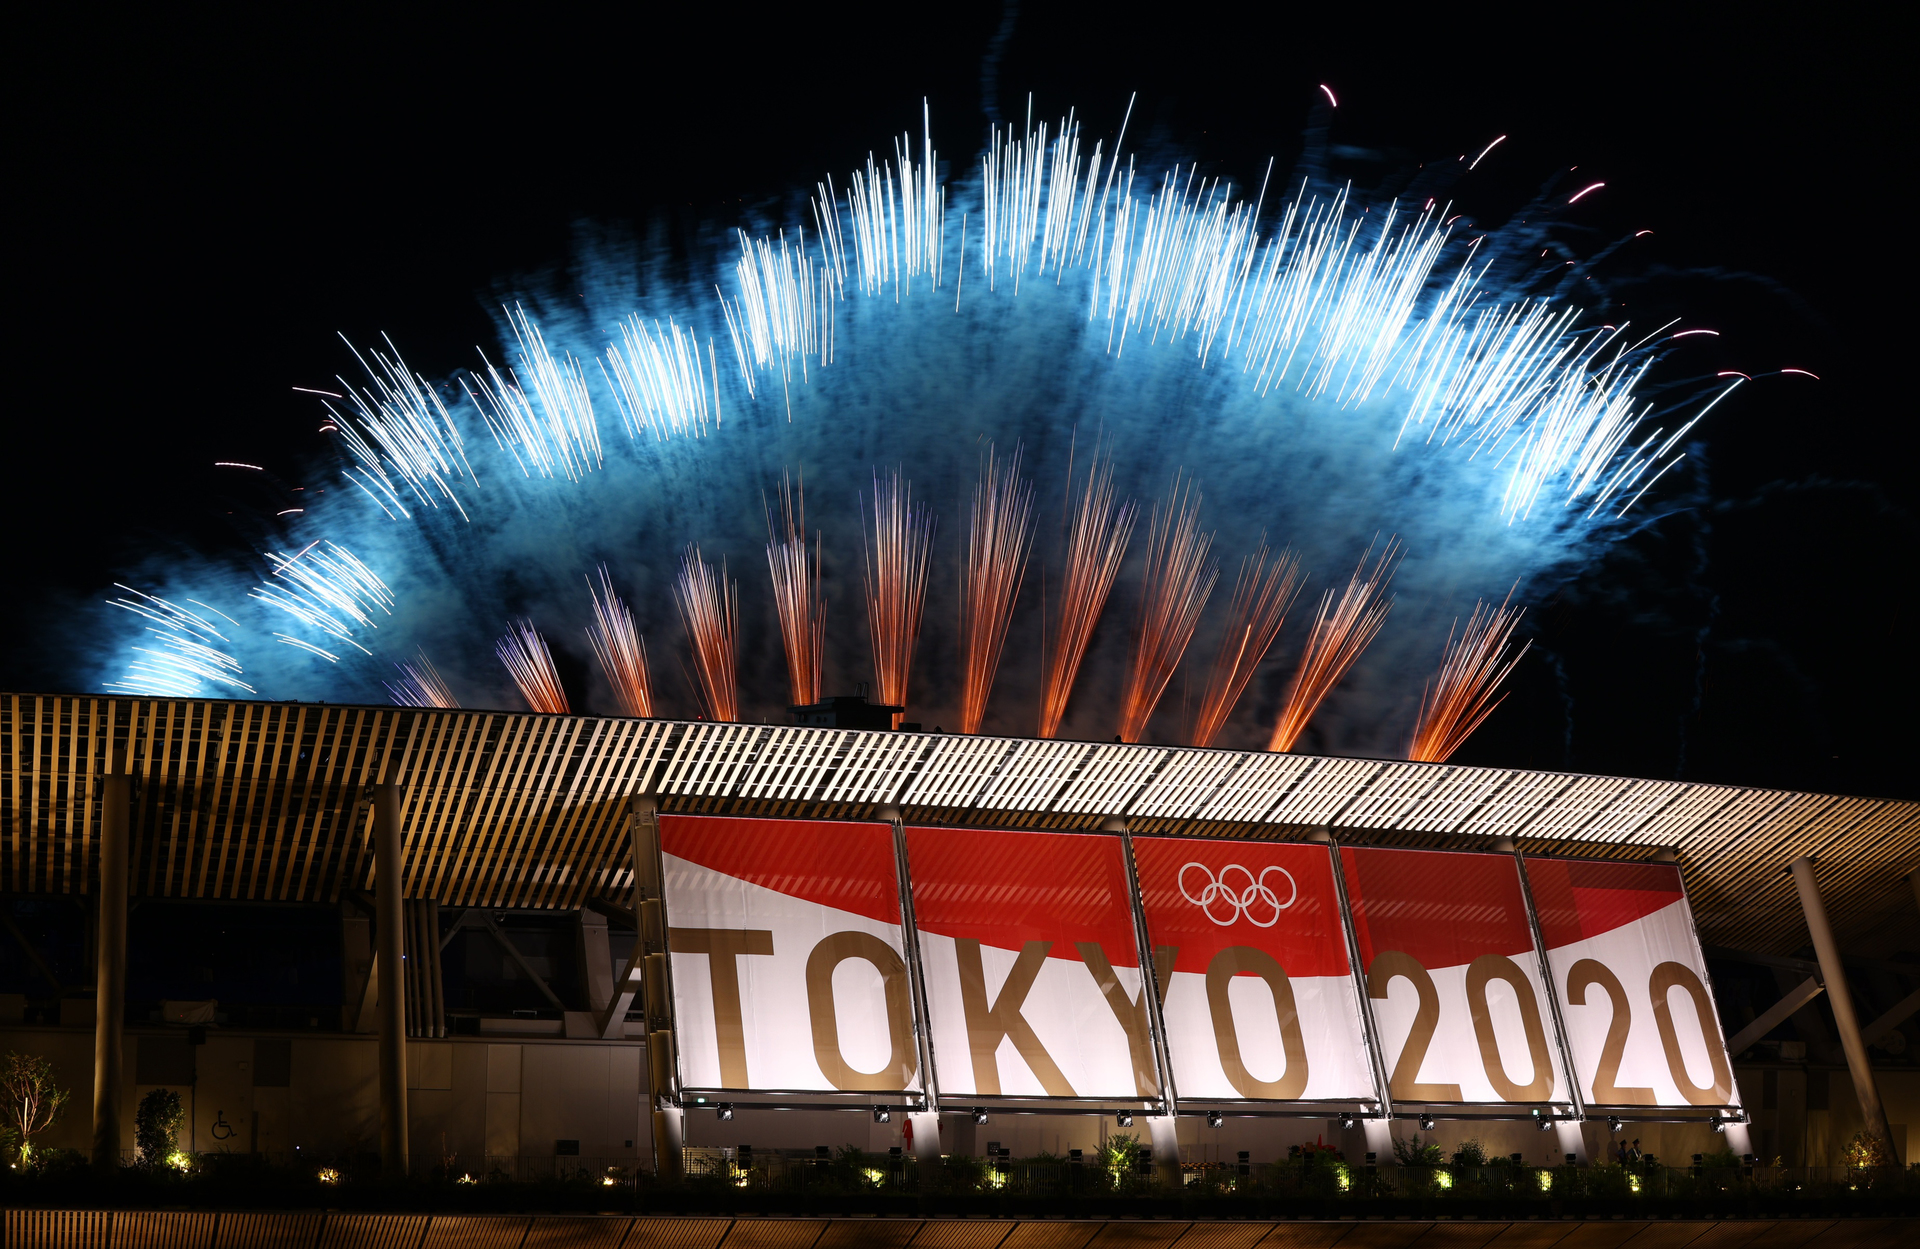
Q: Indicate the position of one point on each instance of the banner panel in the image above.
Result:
(1257, 994)
(1457, 991)
(789, 968)
(1031, 965)
(1640, 1022)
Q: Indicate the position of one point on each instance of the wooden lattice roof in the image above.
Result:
(266, 801)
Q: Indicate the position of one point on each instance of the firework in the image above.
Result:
(398, 428)
(898, 552)
(1096, 544)
(530, 663)
(420, 685)
(543, 419)
(1261, 598)
(326, 587)
(658, 381)
(1174, 589)
(181, 652)
(995, 566)
(797, 599)
(1342, 628)
(1461, 695)
(709, 607)
(619, 648)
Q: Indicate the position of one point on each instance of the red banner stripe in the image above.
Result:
(839, 864)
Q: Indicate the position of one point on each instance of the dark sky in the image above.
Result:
(200, 205)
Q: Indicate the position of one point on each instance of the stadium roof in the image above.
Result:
(266, 801)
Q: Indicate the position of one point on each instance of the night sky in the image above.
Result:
(200, 205)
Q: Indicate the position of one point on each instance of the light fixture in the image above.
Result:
(882, 1115)
(1614, 1124)
(1215, 1119)
(1348, 1122)
(1717, 1123)
(1426, 1123)
(1124, 1119)
(724, 1112)
(1543, 1121)
(980, 1115)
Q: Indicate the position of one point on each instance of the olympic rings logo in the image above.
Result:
(1257, 894)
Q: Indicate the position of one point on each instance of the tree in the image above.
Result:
(31, 1099)
(156, 1126)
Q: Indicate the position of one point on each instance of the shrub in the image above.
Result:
(1470, 1154)
(156, 1127)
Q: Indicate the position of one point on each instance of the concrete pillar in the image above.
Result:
(926, 1135)
(1164, 1133)
(110, 959)
(1840, 998)
(390, 951)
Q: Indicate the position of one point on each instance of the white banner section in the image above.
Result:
(1454, 977)
(789, 971)
(1258, 995)
(1032, 965)
(1640, 1021)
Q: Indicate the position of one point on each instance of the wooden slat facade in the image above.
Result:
(267, 802)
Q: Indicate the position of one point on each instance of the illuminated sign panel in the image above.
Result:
(1258, 996)
(789, 968)
(1031, 964)
(1640, 1020)
(1453, 975)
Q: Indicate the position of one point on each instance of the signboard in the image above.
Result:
(1257, 993)
(789, 971)
(1031, 964)
(1457, 995)
(1640, 1021)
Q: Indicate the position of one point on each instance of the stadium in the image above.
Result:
(533, 874)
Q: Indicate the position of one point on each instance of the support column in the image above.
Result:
(390, 950)
(1840, 998)
(650, 952)
(110, 960)
(1164, 1133)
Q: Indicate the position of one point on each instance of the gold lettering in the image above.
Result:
(1226, 1034)
(987, 1025)
(1404, 1082)
(903, 1061)
(1606, 1089)
(1664, 979)
(723, 946)
(1130, 1011)
(1482, 970)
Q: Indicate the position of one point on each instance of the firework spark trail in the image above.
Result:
(1261, 598)
(530, 663)
(327, 589)
(709, 607)
(658, 382)
(420, 685)
(1462, 694)
(541, 413)
(783, 312)
(797, 598)
(618, 646)
(185, 654)
(399, 428)
(1174, 588)
(1342, 629)
(899, 551)
(995, 566)
(1096, 544)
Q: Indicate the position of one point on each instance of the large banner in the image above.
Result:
(1257, 993)
(1031, 964)
(1453, 976)
(789, 972)
(1640, 1021)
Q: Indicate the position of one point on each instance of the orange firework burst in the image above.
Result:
(898, 553)
(709, 608)
(1178, 579)
(1096, 544)
(1462, 694)
(796, 593)
(619, 648)
(420, 685)
(1341, 630)
(527, 658)
(1261, 598)
(995, 566)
